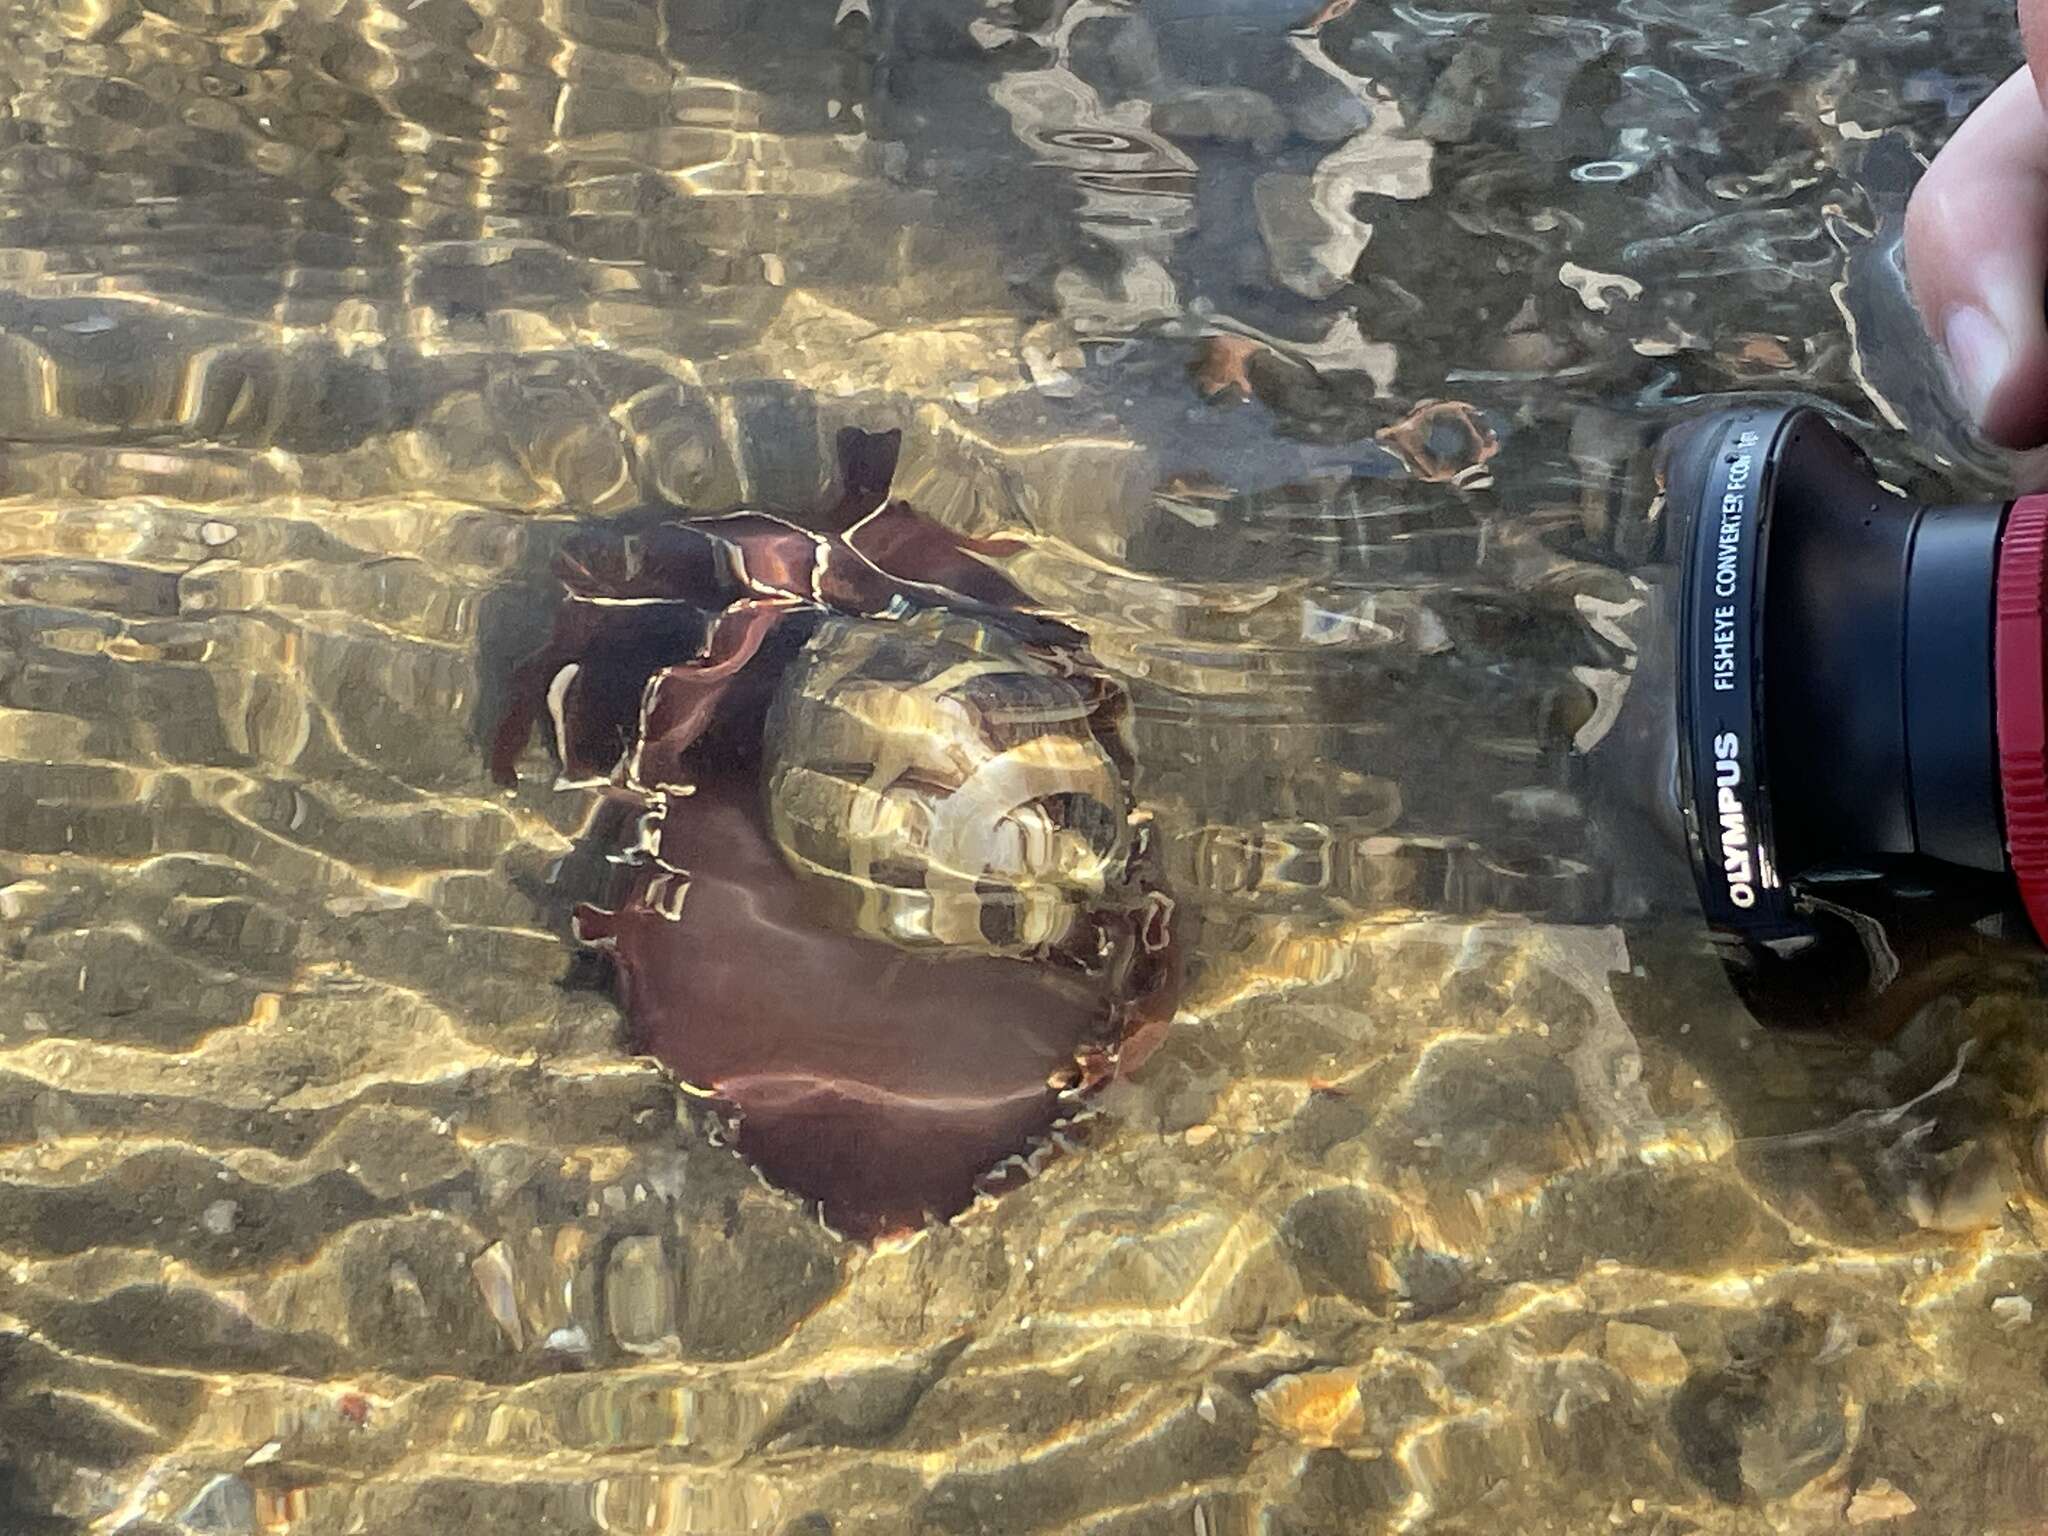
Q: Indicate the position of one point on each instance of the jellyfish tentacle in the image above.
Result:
(867, 468)
(763, 555)
(595, 926)
(909, 547)
(593, 710)
(528, 697)
(682, 701)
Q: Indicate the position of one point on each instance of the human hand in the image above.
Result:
(1977, 251)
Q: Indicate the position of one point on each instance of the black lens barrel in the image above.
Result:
(1878, 648)
(1951, 729)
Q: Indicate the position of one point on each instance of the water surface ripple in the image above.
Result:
(1310, 357)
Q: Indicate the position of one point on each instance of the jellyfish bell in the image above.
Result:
(889, 899)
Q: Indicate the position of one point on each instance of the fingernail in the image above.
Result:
(1979, 352)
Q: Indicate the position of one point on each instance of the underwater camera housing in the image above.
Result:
(1858, 677)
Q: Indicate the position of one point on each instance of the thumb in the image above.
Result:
(1977, 255)
(2034, 33)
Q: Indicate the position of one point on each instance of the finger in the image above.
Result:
(2034, 28)
(1977, 256)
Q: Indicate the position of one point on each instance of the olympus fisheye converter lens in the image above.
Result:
(1858, 684)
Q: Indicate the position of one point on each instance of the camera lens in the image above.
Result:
(1859, 687)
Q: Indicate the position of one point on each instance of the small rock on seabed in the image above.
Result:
(1879, 1501)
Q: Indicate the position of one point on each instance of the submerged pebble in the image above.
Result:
(1879, 1501)
(496, 1284)
(224, 1507)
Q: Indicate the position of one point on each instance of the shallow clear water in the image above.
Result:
(1313, 360)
